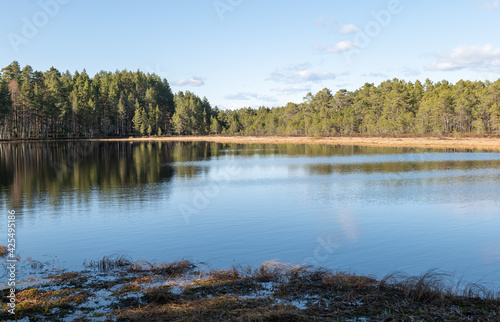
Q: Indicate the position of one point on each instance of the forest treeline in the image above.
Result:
(52, 104)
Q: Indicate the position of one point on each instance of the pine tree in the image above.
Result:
(215, 127)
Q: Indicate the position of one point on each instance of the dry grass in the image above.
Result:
(4, 251)
(171, 269)
(452, 142)
(272, 292)
(109, 262)
(51, 304)
(160, 295)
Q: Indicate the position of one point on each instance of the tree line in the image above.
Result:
(52, 104)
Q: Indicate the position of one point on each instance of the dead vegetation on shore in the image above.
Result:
(181, 291)
(4, 251)
(466, 142)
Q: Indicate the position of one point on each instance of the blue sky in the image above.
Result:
(241, 53)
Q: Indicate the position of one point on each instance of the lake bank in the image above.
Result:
(491, 143)
(117, 289)
(472, 143)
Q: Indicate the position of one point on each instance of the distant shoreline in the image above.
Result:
(471, 143)
(415, 142)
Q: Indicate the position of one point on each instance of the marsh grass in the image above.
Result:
(144, 291)
(4, 251)
(171, 269)
(466, 141)
(160, 295)
(51, 304)
(109, 262)
(35, 264)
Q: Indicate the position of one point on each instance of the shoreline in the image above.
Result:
(469, 143)
(116, 288)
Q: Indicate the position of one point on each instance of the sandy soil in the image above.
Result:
(474, 143)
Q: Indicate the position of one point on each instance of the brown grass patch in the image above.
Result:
(465, 142)
(33, 302)
(170, 269)
(272, 292)
(4, 251)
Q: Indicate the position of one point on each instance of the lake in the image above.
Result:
(358, 209)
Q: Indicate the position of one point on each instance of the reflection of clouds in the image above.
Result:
(330, 241)
(490, 253)
(487, 209)
(348, 223)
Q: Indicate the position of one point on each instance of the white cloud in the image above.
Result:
(239, 96)
(344, 85)
(485, 58)
(300, 73)
(409, 72)
(349, 29)
(308, 75)
(267, 98)
(289, 73)
(325, 22)
(490, 5)
(301, 66)
(193, 81)
(343, 46)
(249, 96)
(292, 88)
(340, 47)
(374, 75)
(157, 70)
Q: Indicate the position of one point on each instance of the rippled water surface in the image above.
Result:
(366, 210)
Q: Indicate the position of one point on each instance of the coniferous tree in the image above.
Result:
(51, 104)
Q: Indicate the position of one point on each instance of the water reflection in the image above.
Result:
(401, 167)
(28, 170)
(32, 169)
(369, 209)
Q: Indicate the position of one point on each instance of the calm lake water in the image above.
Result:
(359, 209)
